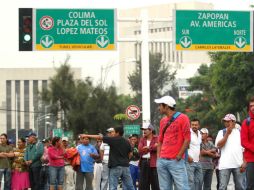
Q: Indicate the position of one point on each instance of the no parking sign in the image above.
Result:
(133, 112)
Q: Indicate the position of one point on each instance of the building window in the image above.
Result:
(17, 102)
(8, 105)
(26, 105)
(44, 84)
(35, 99)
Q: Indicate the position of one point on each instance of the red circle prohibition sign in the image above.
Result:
(133, 112)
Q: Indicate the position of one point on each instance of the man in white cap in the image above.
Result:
(228, 141)
(104, 153)
(69, 173)
(174, 139)
(148, 156)
(207, 153)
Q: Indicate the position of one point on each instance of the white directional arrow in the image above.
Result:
(47, 42)
(240, 42)
(185, 41)
(102, 42)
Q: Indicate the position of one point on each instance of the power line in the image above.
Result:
(10, 110)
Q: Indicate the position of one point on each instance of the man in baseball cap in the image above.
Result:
(208, 153)
(148, 158)
(31, 133)
(228, 140)
(170, 150)
(34, 152)
(147, 126)
(168, 100)
(204, 131)
(229, 117)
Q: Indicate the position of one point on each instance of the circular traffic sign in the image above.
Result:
(46, 23)
(133, 112)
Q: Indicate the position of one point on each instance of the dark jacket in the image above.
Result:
(34, 152)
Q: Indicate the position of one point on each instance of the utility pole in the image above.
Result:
(145, 78)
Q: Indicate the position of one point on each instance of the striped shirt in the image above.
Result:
(105, 147)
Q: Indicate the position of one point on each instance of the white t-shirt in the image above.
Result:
(106, 148)
(194, 149)
(148, 154)
(232, 151)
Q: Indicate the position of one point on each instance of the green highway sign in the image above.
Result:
(58, 132)
(131, 129)
(75, 29)
(214, 30)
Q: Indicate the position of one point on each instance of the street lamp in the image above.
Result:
(108, 67)
(43, 117)
(46, 128)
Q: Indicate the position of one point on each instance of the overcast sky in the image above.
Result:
(90, 61)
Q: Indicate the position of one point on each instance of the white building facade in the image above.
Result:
(19, 96)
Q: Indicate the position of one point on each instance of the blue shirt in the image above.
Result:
(86, 161)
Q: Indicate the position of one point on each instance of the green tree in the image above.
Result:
(87, 108)
(59, 95)
(226, 84)
(161, 78)
(232, 80)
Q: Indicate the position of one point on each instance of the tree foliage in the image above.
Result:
(226, 84)
(87, 108)
(161, 75)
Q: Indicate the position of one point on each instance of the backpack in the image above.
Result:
(248, 121)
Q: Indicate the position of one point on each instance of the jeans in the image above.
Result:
(207, 179)
(104, 176)
(195, 175)
(172, 172)
(250, 175)
(134, 174)
(225, 176)
(56, 174)
(81, 176)
(7, 178)
(120, 172)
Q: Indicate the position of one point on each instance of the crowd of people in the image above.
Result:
(182, 157)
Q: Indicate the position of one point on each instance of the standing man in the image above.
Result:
(194, 168)
(174, 139)
(88, 154)
(148, 156)
(34, 152)
(228, 141)
(97, 167)
(104, 153)
(120, 150)
(6, 153)
(207, 152)
(247, 140)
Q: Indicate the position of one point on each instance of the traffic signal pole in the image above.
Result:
(145, 73)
